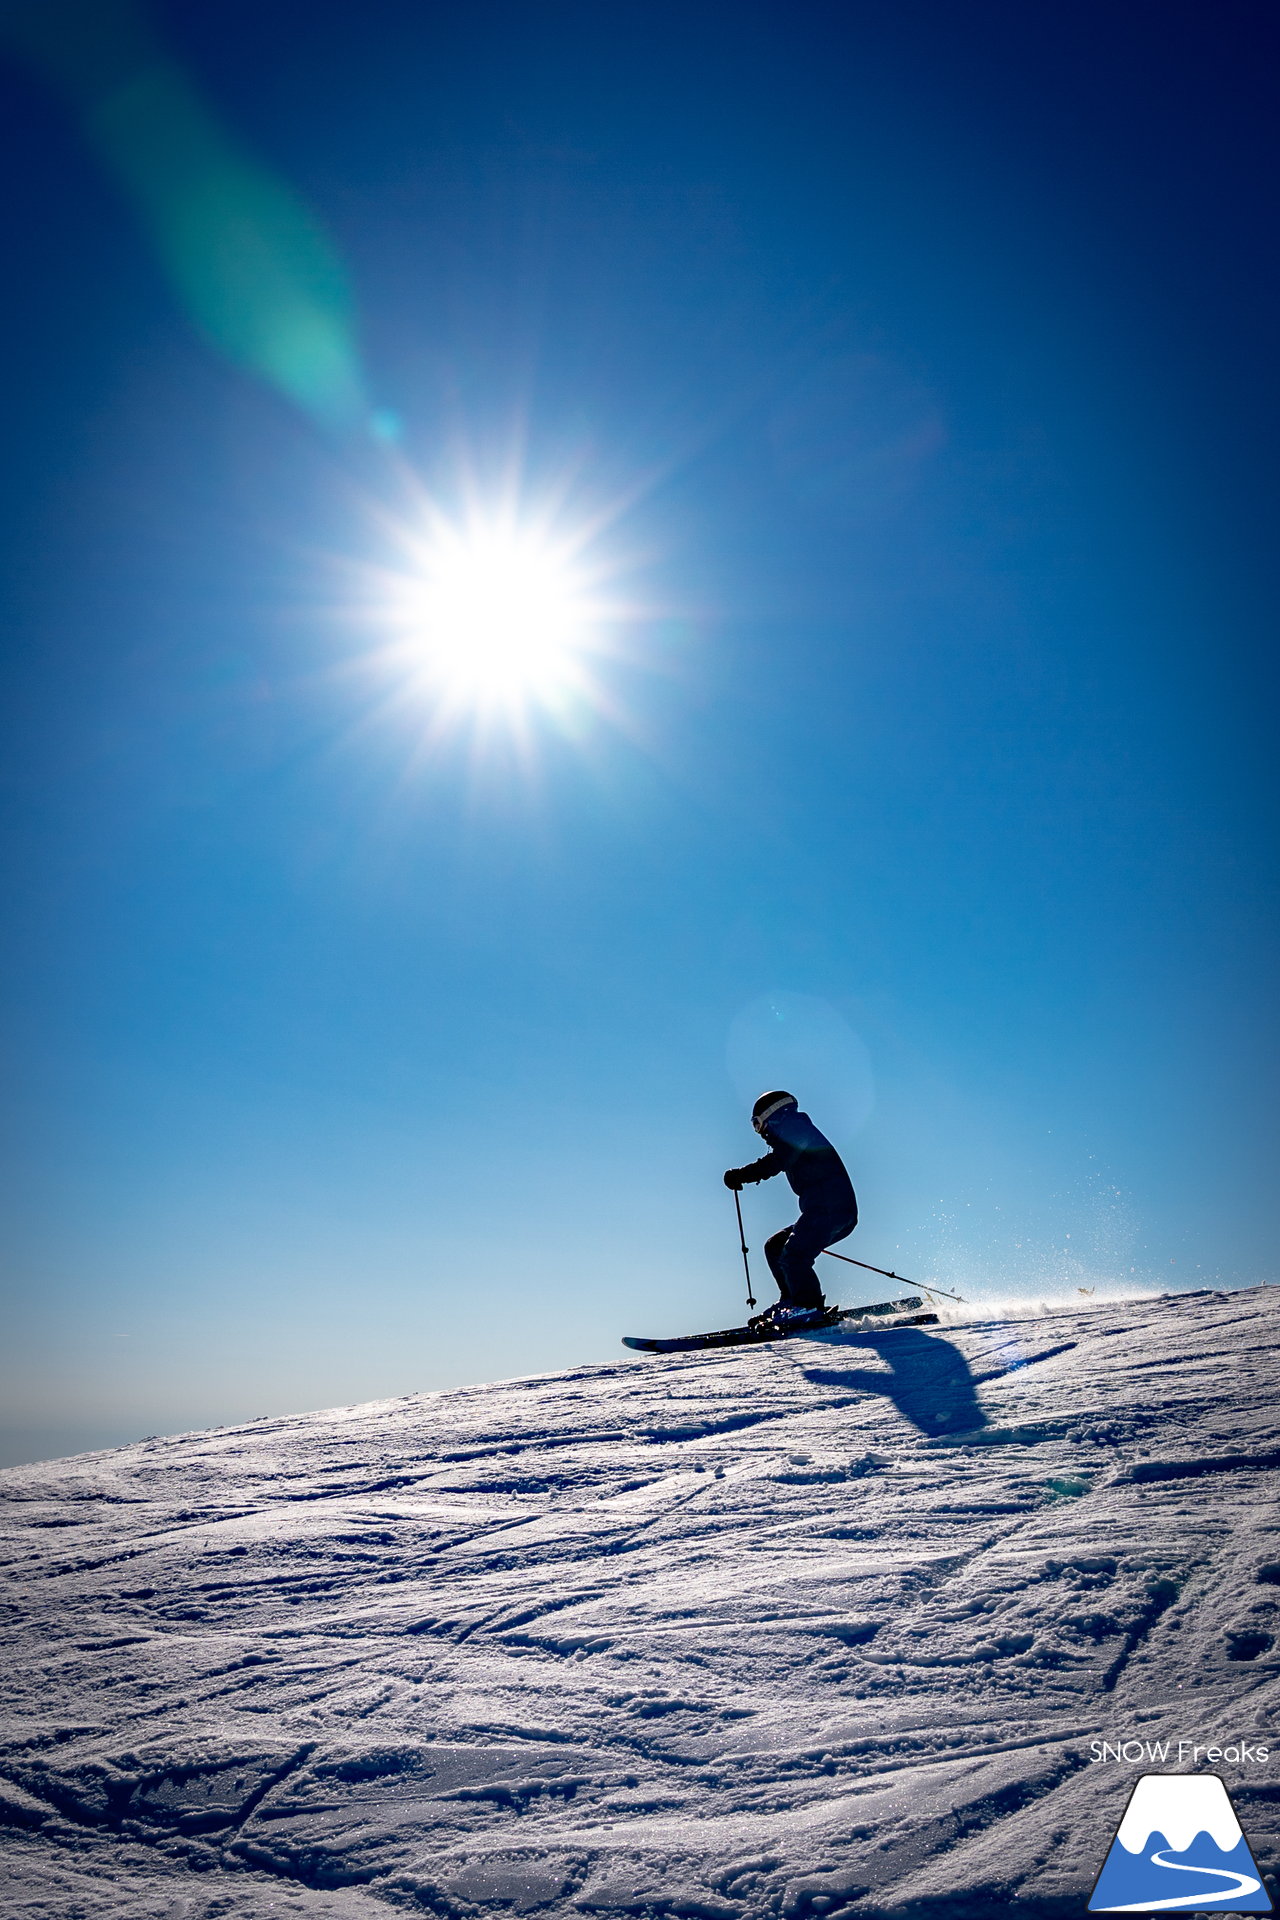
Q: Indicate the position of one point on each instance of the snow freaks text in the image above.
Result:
(1136, 1753)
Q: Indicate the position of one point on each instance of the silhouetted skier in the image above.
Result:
(828, 1207)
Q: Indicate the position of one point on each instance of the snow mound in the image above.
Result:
(828, 1627)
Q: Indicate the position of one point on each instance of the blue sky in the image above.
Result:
(917, 367)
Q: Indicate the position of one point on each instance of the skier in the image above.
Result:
(828, 1207)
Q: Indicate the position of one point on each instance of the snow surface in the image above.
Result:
(826, 1627)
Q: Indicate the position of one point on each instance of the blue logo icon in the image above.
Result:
(1179, 1846)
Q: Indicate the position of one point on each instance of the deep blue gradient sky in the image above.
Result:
(930, 354)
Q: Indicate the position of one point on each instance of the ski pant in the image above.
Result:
(792, 1252)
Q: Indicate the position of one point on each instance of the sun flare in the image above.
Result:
(498, 613)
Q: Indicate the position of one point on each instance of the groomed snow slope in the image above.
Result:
(822, 1628)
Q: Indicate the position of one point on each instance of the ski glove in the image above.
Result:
(734, 1180)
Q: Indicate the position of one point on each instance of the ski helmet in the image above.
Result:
(768, 1104)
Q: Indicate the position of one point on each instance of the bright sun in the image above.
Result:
(498, 614)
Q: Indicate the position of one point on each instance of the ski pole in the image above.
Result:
(746, 1264)
(851, 1262)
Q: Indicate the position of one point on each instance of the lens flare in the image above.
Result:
(501, 617)
(500, 614)
(249, 260)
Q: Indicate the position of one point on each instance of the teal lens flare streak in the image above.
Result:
(252, 266)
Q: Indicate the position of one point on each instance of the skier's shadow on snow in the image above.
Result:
(928, 1381)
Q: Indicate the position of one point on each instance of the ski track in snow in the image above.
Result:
(825, 1628)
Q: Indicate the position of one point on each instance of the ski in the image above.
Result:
(885, 1314)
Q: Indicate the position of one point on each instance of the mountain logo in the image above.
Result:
(1179, 1845)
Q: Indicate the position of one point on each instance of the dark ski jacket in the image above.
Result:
(815, 1172)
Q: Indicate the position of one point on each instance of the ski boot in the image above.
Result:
(782, 1317)
(789, 1319)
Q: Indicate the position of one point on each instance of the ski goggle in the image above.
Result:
(758, 1119)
